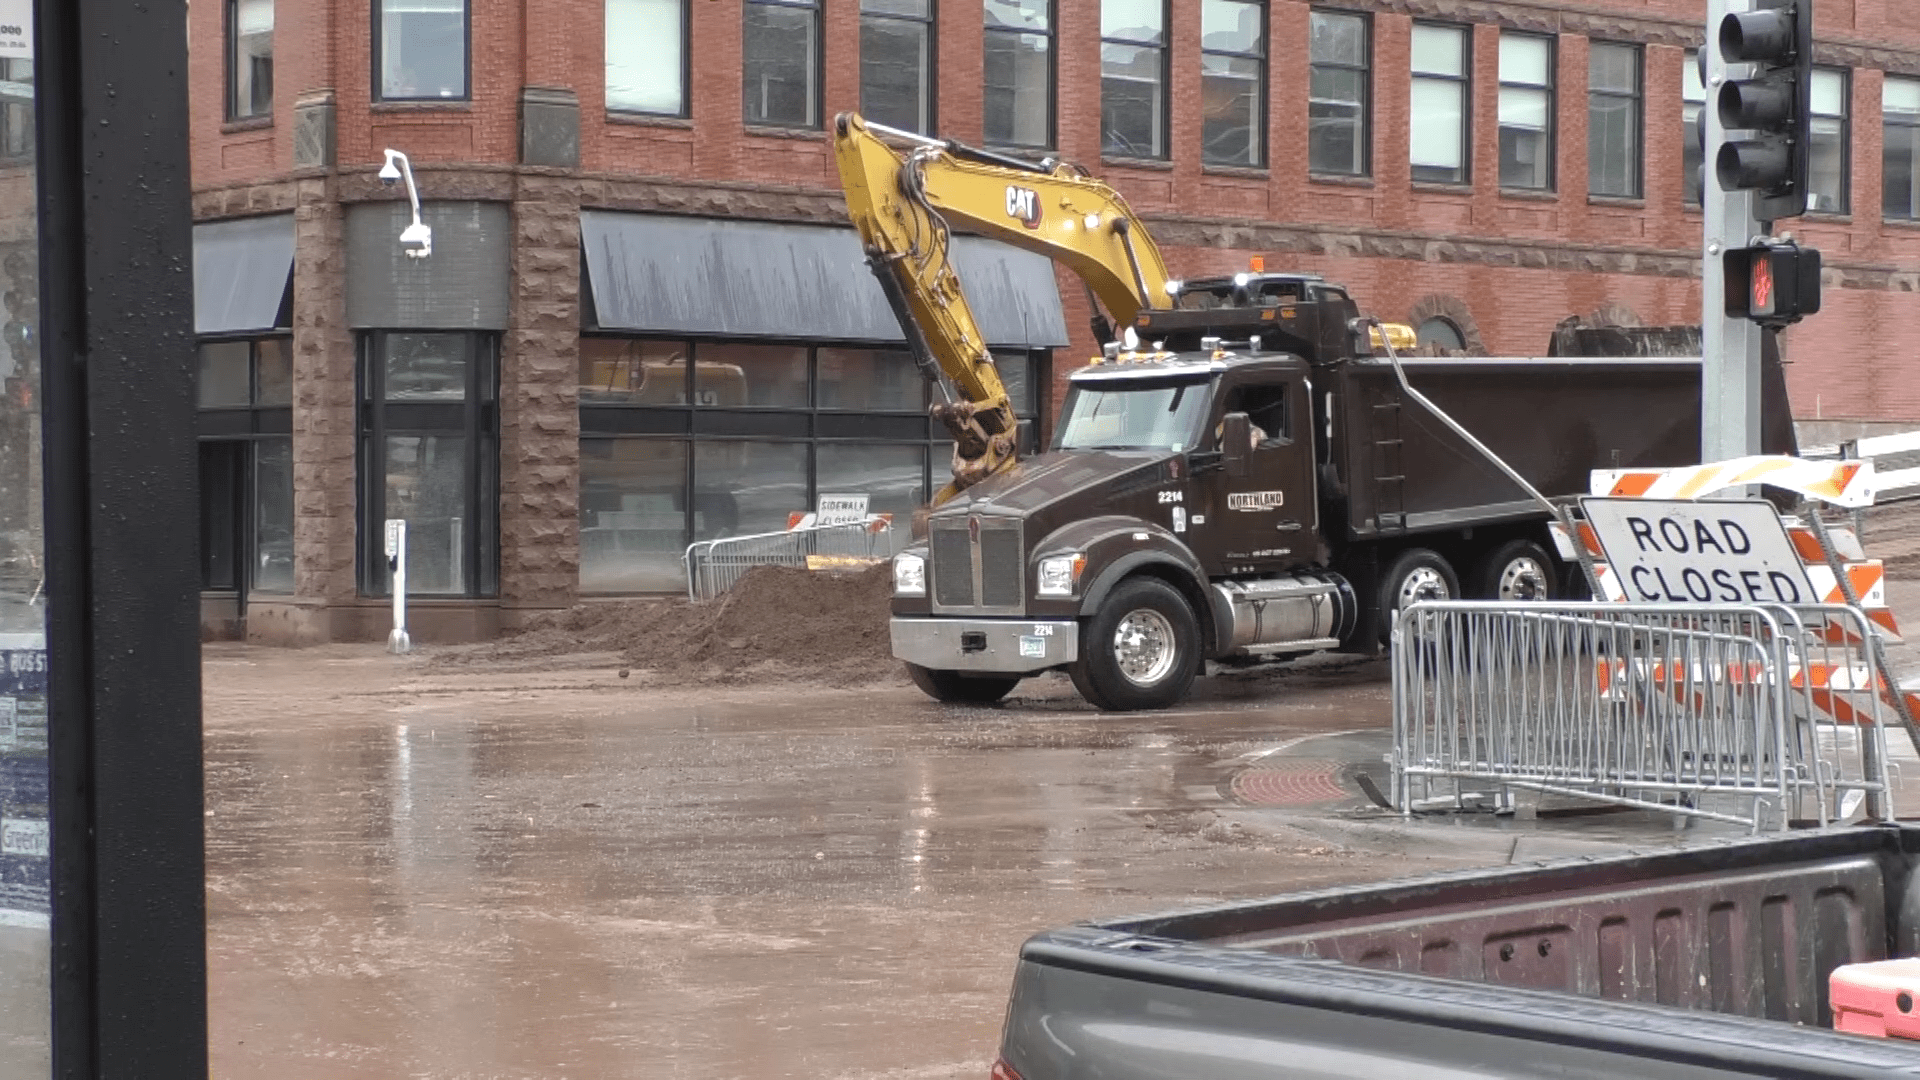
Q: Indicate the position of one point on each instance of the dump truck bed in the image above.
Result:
(1706, 962)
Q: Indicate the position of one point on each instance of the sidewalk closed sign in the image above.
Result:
(1678, 552)
(840, 510)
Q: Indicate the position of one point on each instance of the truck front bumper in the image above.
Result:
(987, 646)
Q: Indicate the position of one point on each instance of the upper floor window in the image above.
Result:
(1337, 97)
(1438, 123)
(1693, 98)
(1233, 82)
(1019, 73)
(782, 49)
(1526, 112)
(16, 115)
(249, 58)
(1900, 173)
(421, 48)
(1133, 78)
(1613, 120)
(1827, 180)
(647, 56)
(896, 63)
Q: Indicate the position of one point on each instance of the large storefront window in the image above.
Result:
(429, 454)
(245, 395)
(694, 440)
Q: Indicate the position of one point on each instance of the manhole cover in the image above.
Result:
(1302, 782)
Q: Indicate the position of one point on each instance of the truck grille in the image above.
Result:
(952, 566)
(987, 573)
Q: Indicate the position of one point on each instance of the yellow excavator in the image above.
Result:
(905, 205)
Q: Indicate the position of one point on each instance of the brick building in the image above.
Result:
(644, 321)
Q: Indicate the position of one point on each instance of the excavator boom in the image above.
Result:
(906, 204)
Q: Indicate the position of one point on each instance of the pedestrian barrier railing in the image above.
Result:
(714, 566)
(1748, 714)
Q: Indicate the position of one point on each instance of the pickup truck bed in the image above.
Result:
(1706, 962)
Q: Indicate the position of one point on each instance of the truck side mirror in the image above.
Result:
(1236, 443)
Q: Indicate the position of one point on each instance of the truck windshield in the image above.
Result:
(1129, 415)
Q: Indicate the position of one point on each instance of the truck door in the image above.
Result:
(1268, 519)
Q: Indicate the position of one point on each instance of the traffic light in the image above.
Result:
(1774, 105)
(1774, 284)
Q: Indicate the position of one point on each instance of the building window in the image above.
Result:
(429, 454)
(896, 63)
(647, 56)
(1440, 332)
(1613, 120)
(250, 59)
(1337, 99)
(16, 110)
(1900, 173)
(685, 440)
(245, 390)
(1233, 82)
(1019, 73)
(421, 48)
(782, 47)
(1693, 96)
(1439, 120)
(1828, 149)
(1133, 78)
(1526, 112)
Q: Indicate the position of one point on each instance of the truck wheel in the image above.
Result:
(1415, 574)
(956, 688)
(1518, 570)
(1141, 650)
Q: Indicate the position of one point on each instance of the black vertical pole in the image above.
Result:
(128, 907)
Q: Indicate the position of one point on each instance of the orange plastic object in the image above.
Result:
(1880, 999)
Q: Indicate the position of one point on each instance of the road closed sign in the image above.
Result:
(1677, 552)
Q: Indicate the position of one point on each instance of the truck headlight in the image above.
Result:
(909, 575)
(1060, 574)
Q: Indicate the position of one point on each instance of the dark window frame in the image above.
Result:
(480, 424)
(817, 64)
(232, 50)
(1552, 90)
(1845, 117)
(930, 78)
(1165, 51)
(1909, 122)
(1638, 98)
(686, 68)
(1366, 90)
(1465, 82)
(1262, 109)
(378, 8)
(1052, 34)
(251, 423)
(1690, 192)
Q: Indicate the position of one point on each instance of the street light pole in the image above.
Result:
(1730, 369)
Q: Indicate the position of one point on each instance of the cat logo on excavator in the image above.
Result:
(1023, 204)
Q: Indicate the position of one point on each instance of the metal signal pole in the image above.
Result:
(1730, 371)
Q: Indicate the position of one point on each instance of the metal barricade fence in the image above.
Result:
(1686, 709)
(714, 566)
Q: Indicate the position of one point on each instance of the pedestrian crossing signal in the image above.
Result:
(1773, 284)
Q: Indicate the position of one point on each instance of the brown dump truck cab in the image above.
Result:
(1245, 480)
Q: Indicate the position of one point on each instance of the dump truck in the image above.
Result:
(1247, 472)
(1701, 963)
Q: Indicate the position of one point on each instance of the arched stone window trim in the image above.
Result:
(1454, 310)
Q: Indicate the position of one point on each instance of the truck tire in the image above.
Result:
(1141, 650)
(956, 688)
(1517, 571)
(1415, 574)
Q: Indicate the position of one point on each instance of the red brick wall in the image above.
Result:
(1518, 262)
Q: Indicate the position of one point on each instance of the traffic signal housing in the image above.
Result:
(1774, 105)
(1774, 284)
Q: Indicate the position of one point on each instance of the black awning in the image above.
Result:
(662, 274)
(242, 270)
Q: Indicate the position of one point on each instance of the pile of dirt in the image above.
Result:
(778, 624)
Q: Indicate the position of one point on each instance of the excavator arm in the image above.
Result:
(905, 206)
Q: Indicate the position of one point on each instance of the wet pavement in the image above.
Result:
(566, 874)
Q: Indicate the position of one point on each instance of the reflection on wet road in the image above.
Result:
(564, 874)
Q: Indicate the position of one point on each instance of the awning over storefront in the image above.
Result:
(662, 274)
(241, 271)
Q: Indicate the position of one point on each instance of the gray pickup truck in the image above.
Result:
(1708, 962)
